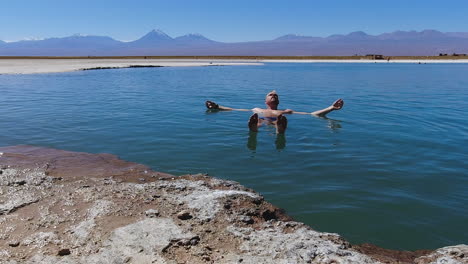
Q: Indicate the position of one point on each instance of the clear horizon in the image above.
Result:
(226, 21)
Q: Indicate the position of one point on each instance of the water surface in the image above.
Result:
(389, 168)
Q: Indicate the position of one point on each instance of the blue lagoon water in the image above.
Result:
(390, 168)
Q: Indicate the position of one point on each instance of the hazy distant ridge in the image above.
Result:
(156, 42)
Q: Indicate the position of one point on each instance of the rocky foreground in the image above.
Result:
(67, 207)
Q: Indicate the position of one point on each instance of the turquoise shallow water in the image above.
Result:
(390, 168)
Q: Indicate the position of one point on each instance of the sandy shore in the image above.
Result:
(30, 66)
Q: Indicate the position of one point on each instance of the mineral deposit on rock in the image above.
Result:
(66, 207)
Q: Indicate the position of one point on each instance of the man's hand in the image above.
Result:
(211, 105)
(338, 104)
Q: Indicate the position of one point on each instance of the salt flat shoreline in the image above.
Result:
(422, 61)
(31, 66)
(51, 65)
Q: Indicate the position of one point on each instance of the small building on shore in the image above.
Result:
(375, 56)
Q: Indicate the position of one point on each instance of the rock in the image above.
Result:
(450, 255)
(269, 215)
(194, 240)
(152, 213)
(184, 215)
(246, 219)
(13, 243)
(64, 252)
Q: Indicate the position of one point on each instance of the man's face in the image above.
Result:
(272, 98)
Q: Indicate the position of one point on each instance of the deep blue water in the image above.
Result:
(390, 168)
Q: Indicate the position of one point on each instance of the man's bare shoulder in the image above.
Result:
(258, 110)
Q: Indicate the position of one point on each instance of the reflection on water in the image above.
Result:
(280, 141)
(334, 125)
(252, 141)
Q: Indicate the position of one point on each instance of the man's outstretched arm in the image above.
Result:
(214, 106)
(337, 105)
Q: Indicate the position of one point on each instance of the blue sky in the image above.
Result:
(225, 20)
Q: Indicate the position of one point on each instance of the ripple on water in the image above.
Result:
(391, 164)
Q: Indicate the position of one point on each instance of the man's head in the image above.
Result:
(272, 99)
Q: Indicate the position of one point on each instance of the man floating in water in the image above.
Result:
(271, 115)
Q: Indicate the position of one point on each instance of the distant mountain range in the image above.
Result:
(158, 43)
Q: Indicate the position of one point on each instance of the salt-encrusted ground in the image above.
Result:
(30, 66)
(68, 207)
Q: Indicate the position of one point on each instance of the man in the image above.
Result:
(271, 115)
